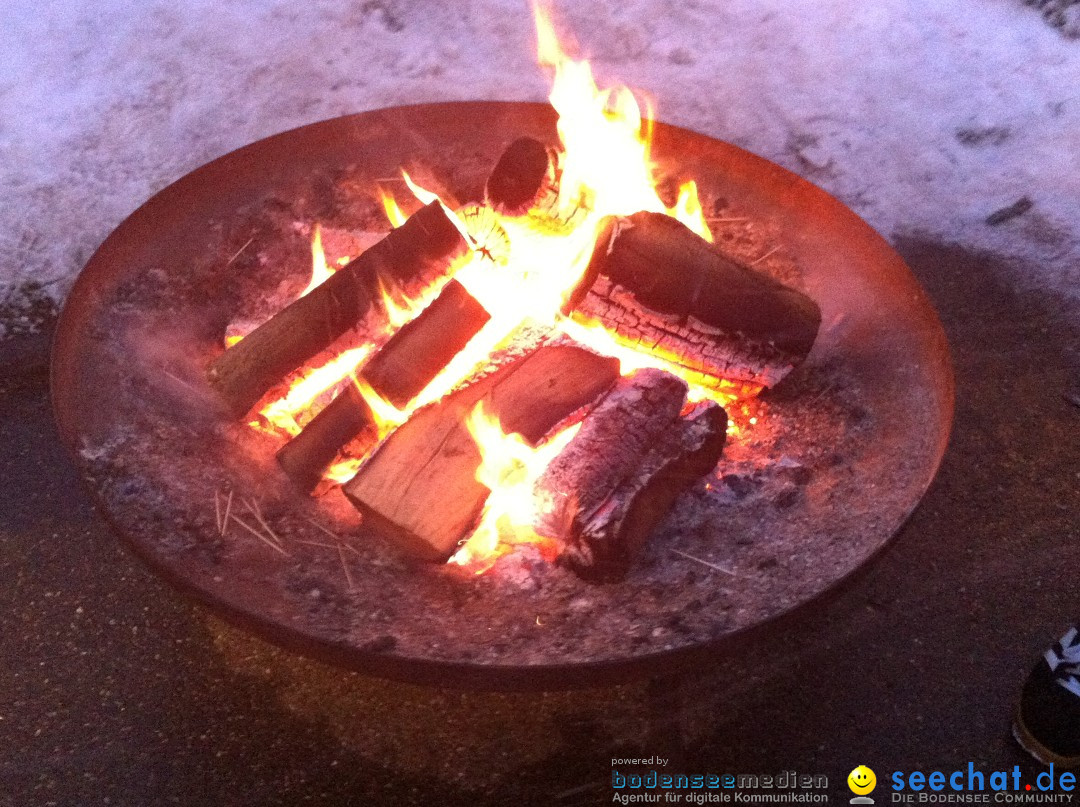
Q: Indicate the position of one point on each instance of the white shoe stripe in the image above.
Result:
(1070, 650)
(1072, 684)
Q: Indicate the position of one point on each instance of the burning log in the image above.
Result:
(306, 456)
(398, 372)
(423, 347)
(610, 487)
(419, 487)
(655, 281)
(521, 179)
(410, 257)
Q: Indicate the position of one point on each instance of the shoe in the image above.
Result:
(1047, 723)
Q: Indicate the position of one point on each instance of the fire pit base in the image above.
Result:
(840, 454)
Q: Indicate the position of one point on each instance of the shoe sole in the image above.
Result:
(1043, 754)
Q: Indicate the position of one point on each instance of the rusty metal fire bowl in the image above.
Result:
(844, 450)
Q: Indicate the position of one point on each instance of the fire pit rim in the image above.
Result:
(107, 264)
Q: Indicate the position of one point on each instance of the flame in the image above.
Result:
(509, 468)
(387, 417)
(320, 271)
(281, 414)
(522, 270)
(392, 209)
(343, 470)
(606, 161)
(401, 309)
(688, 210)
(425, 196)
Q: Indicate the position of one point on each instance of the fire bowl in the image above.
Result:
(839, 455)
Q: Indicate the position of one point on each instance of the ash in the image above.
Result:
(782, 518)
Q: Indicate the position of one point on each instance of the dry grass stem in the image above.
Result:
(259, 535)
(240, 251)
(225, 518)
(756, 261)
(705, 563)
(253, 508)
(345, 566)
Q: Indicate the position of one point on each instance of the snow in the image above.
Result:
(925, 116)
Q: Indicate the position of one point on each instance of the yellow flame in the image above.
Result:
(423, 194)
(606, 161)
(320, 272)
(387, 416)
(632, 357)
(282, 412)
(509, 468)
(400, 309)
(343, 470)
(393, 210)
(688, 210)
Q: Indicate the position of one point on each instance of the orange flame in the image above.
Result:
(606, 161)
(281, 414)
(509, 468)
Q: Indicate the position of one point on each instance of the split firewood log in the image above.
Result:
(423, 347)
(607, 491)
(310, 453)
(410, 258)
(398, 372)
(419, 486)
(656, 282)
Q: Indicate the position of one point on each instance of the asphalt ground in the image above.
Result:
(115, 690)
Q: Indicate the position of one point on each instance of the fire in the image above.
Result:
(522, 270)
(320, 271)
(281, 414)
(632, 358)
(343, 470)
(606, 163)
(392, 209)
(401, 309)
(387, 416)
(509, 468)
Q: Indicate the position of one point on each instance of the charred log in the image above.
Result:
(419, 487)
(310, 453)
(523, 177)
(610, 487)
(423, 347)
(410, 258)
(655, 281)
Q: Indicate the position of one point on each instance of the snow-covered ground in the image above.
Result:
(923, 115)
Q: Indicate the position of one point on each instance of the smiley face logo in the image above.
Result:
(862, 780)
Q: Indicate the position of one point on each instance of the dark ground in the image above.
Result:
(116, 691)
